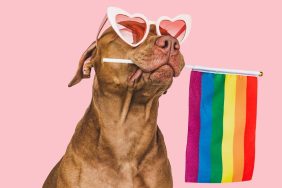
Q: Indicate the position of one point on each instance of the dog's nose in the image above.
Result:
(168, 44)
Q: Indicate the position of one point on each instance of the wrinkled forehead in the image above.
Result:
(153, 29)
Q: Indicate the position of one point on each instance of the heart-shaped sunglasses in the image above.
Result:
(134, 29)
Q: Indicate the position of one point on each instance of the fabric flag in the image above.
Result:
(221, 128)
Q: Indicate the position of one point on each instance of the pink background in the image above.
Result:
(41, 43)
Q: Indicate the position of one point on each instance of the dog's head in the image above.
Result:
(156, 61)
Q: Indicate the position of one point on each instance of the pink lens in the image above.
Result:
(176, 29)
(131, 29)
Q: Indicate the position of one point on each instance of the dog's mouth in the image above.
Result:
(156, 68)
(135, 75)
(161, 73)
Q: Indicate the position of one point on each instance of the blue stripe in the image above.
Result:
(206, 128)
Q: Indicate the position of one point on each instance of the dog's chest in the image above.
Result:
(129, 140)
(107, 177)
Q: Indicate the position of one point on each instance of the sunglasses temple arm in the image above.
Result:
(101, 26)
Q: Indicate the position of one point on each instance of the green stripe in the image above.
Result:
(217, 128)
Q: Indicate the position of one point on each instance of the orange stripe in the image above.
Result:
(239, 132)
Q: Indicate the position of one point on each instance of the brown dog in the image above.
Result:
(117, 143)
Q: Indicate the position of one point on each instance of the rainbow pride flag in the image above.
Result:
(221, 128)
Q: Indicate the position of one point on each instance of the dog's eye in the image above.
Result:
(175, 29)
(131, 29)
(132, 33)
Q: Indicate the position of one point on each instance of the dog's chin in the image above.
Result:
(162, 75)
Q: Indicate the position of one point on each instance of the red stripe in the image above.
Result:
(249, 143)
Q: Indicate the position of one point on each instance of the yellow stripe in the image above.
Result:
(228, 127)
(240, 122)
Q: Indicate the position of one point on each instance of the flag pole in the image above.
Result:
(197, 68)
(225, 71)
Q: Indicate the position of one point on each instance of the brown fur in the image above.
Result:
(117, 143)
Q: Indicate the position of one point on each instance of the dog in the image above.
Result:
(117, 143)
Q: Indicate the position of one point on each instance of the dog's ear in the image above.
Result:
(85, 65)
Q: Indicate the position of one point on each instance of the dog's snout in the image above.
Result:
(168, 44)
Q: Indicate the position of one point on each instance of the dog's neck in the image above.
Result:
(122, 110)
(118, 125)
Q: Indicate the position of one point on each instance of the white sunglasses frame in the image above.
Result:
(112, 12)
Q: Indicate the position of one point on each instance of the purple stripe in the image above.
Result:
(192, 149)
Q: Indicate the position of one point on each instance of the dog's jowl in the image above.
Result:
(117, 143)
